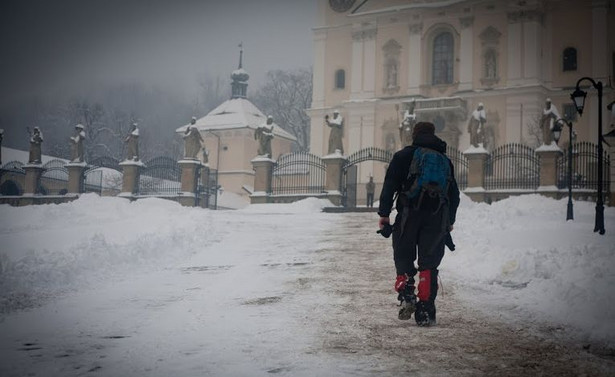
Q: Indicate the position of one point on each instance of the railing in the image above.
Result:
(512, 166)
(460, 164)
(11, 174)
(367, 154)
(584, 167)
(54, 178)
(298, 173)
(161, 176)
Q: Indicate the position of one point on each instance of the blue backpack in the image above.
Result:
(429, 173)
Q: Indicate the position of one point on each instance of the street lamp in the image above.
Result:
(557, 133)
(578, 96)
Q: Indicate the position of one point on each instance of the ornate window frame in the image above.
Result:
(431, 36)
(490, 65)
(340, 79)
(391, 52)
(570, 59)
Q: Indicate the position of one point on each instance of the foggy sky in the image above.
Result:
(48, 47)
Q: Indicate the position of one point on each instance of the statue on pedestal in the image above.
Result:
(547, 122)
(407, 125)
(193, 141)
(132, 143)
(337, 131)
(76, 144)
(36, 139)
(264, 135)
(476, 126)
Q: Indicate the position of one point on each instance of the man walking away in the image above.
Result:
(422, 179)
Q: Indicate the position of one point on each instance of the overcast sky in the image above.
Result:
(52, 46)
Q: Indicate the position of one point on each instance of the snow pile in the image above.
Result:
(309, 205)
(60, 247)
(524, 259)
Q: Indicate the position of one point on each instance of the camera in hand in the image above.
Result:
(386, 230)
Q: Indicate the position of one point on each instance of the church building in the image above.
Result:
(375, 59)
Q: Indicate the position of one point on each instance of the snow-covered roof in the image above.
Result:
(232, 114)
(11, 154)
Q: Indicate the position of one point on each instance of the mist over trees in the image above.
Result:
(285, 96)
(108, 114)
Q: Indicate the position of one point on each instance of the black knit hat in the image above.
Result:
(423, 128)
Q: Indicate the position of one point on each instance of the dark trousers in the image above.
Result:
(370, 199)
(422, 237)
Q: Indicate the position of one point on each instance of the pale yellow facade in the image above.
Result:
(508, 55)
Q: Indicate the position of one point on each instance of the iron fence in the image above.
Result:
(54, 178)
(512, 166)
(584, 167)
(207, 188)
(298, 173)
(160, 176)
(11, 174)
(350, 178)
(460, 164)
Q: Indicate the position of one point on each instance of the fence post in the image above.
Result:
(75, 177)
(130, 179)
(477, 158)
(189, 180)
(548, 155)
(33, 178)
(263, 171)
(333, 181)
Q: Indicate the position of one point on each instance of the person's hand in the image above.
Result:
(382, 221)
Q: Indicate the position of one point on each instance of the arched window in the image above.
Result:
(340, 79)
(570, 59)
(443, 54)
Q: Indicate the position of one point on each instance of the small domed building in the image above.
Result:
(228, 131)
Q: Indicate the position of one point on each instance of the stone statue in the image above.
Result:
(407, 125)
(132, 143)
(36, 139)
(193, 141)
(476, 126)
(264, 135)
(76, 144)
(549, 116)
(337, 131)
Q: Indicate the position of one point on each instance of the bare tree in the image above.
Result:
(285, 96)
(534, 131)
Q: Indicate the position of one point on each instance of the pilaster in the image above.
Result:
(76, 177)
(33, 178)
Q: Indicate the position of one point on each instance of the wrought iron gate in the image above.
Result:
(584, 167)
(298, 173)
(160, 177)
(349, 171)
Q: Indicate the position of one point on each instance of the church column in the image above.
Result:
(414, 59)
(514, 54)
(466, 53)
(599, 40)
(317, 127)
(362, 75)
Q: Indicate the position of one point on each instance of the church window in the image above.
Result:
(391, 51)
(340, 79)
(442, 63)
(570, 59)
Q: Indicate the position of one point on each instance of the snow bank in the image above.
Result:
(521, 255)
(50, 248)
(309, 205)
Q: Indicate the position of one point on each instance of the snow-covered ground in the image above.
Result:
(121, 288)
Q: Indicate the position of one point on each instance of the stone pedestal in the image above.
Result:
(548, 167)
(130, 180)
(333, 181)
(477, 157)
(263, 171)
(33, 178)
(75, 177)
(189, 181)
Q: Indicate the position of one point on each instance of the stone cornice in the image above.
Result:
(366, 34)
(466, 22)
(416, 28)
(525, 16)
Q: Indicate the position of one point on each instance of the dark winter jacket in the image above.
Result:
(397, 174)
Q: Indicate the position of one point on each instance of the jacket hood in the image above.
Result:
(430, 141)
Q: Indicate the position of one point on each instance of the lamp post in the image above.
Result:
(578, 96)
(557, 133)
